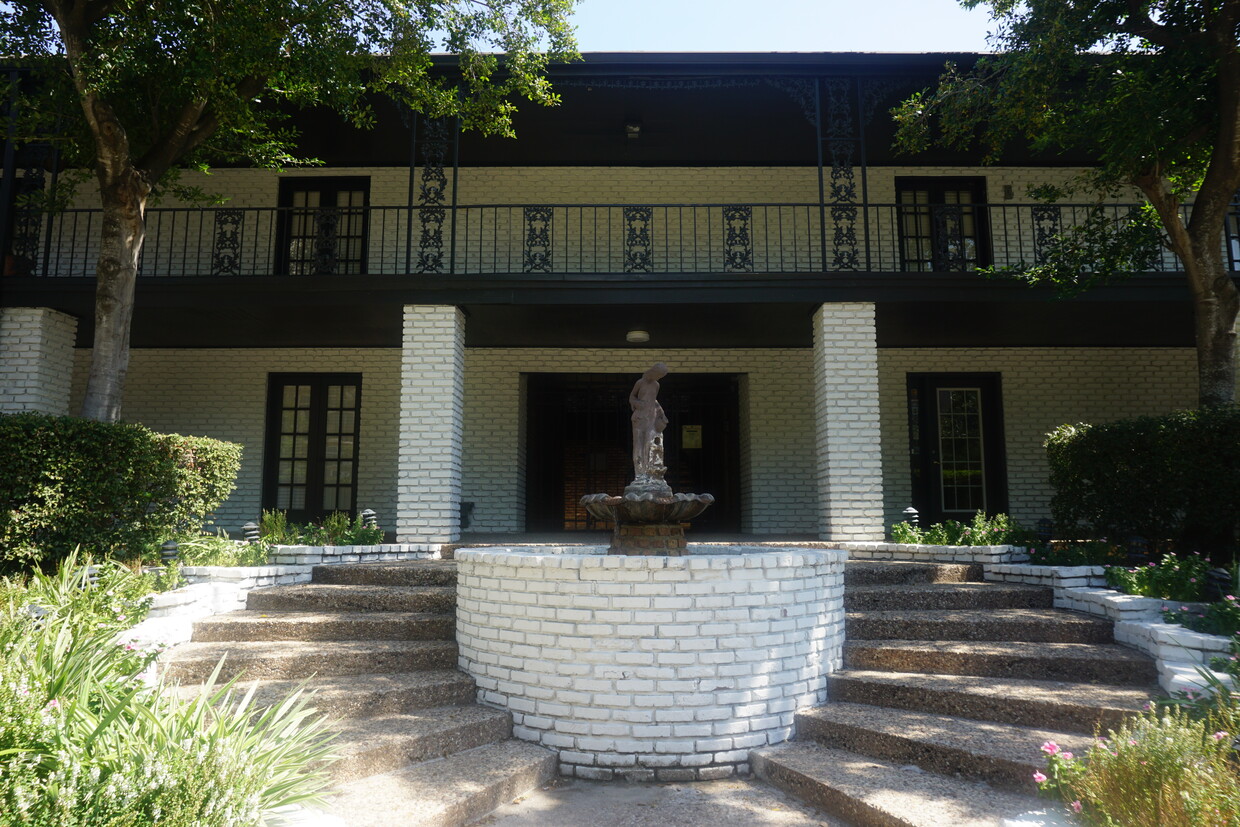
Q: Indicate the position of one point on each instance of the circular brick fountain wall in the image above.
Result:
(651, 668)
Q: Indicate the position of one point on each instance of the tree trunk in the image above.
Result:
(124, 230)
(1216, 303)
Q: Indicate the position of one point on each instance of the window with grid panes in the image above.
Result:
(323, 226)
(942, 224)
(310, 465)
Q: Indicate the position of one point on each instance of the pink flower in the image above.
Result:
(53, 704)
(1076, 806)
(1192, 579)
(1218, 736)
(1067, 756)
(1039, 777)
(1050, 748)
(1230, 596)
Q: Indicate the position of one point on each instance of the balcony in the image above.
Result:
(569, 241)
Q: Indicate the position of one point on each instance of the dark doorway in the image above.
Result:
(578, 442)
(956, 445)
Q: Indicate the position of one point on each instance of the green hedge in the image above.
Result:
(112, 488)
(1169, 478)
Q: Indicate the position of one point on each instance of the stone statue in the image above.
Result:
(649, 420)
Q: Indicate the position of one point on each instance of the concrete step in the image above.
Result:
(368, 695)
(258, 660)
(1060, 705)
(943, 596)
(1045, 625)
(262, 625)
(1079, 662)
(402, 573)
(369, 746)
(1002, 755)
(898, 573)
(318, 597)
(460, 789)
(868, 792)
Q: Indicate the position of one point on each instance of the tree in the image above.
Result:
(143, 88)
(1150, 89)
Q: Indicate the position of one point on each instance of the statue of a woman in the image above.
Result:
(649, 420)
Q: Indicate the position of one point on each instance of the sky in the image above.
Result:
(779, 26)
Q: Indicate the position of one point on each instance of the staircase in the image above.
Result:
(949, 689)
(376, 642)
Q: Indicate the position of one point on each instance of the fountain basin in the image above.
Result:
(651, 668)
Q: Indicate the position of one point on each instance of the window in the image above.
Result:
(943, 224)
(310, 462)
(323, 226)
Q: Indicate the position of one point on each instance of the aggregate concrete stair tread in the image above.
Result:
(1003, 755)
(252, 624)
(1041, 625)
(257, 660)
(347, 598)
(866, 573)
(942, 596)
(396, 573)
(1080, 662)
(380, 744)
(869, 792)
(366, 695)
(1071, 707)
(456, 790)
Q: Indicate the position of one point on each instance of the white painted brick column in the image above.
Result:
(36, 360)
(850, 473)
(432, 368)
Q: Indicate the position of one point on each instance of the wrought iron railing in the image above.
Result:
(567, 240)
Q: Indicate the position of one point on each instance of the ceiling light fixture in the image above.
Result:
(637, 337)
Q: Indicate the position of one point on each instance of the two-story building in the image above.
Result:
(444, 327)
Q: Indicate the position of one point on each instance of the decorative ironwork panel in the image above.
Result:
(27, 226)
(226, 255)
(1046, 227)
(326, 220)
(737, 240)
(801, 90)
(839, 108)
(638, 240)
(537, 255)
(432, 192)
(950, 247)
(843, 197)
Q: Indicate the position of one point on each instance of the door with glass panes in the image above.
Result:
(310, 461)
(956, 446)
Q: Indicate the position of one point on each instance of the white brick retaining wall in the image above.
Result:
(327, 555)
(932, 554)
(1178, 652)
(645, 668)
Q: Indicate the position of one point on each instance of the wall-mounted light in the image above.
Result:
(633, 130)
(637, 337)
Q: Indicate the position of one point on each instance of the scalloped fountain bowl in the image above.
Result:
(647, 523)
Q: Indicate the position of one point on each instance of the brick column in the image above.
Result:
(850, 473)
(36, 360)
(432, 368)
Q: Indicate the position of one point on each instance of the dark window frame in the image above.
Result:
(328, 184)
(938, 187)
(316, 460)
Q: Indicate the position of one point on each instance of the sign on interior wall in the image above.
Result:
(690, 436)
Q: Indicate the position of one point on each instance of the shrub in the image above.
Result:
(1219, 618)
(1162, 769)
(205, 549)
(114, 488)
(1171, 578)
(84, 742)
(1077, 553)
(336, 530)
(999, 530)
(1173, 478)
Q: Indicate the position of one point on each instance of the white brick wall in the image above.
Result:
(428, 483)
(36, 360)
(1042, 389)
(222, 393)
(850, 482)
(668, 668)
(777, 424)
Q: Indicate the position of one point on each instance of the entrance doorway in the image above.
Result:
(956, 445)
(579, 441)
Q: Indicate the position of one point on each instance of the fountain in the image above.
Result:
(651, 660)
(648, 518)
